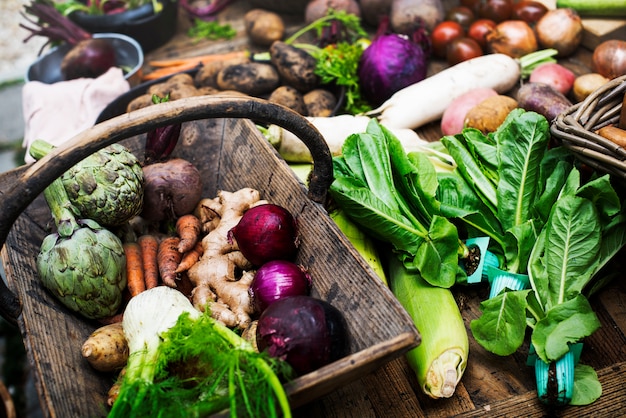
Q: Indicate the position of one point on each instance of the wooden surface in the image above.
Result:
(492, 386)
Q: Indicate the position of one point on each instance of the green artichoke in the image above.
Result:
(83, 263)
(106, 187)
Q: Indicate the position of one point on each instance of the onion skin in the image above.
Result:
(266, 232)
(561, 29)
(306, 332)
(514, 38)
(172, 188)
(89, 58)
(609, 58)
(276, 280)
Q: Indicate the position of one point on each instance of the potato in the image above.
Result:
(139, 102)
(489, 114)
(253, 78)
(289, 97)
(206, 76)
(320, 102)
(106, 349)
(586, 84)
(295, 66)
(453, 119)
(263, 27)
(543, 99)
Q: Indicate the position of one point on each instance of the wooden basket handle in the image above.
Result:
(32, 180)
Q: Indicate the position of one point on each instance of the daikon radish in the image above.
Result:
(425, 101)
(334, 129)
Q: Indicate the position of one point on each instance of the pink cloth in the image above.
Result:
(57, 112)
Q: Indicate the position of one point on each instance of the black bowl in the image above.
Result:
(128, 54)
(142, 24)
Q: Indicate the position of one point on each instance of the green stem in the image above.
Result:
(531, 61)
(61, 208)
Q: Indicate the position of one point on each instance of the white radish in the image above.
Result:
(335, 130)
(425, 101)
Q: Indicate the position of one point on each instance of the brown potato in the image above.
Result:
(289, 97)
(106, 349)
(489, 114)
(139, 102)
(586, 84)
(320, 102)
(182, 91)
(206, 76)
(295, 66)
(252, 78)
(263, 27)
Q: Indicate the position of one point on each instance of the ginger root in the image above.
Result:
(222, 276)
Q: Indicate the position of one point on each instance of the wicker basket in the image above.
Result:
(576, 128)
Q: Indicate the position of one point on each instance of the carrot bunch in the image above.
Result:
(166, 68)
(150, 261)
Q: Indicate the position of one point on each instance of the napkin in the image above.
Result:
(59, 111)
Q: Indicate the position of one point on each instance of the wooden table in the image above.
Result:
(492, 386)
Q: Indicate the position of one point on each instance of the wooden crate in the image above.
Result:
(231, 154)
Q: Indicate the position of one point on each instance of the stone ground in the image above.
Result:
(15, 57)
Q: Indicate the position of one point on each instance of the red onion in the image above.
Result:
(306, 332)
(266, 232)
(276, 280)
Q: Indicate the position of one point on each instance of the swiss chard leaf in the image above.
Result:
(501, 328)
(522, 142)
(564, 324)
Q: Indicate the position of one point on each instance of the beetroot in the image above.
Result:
(173, 188)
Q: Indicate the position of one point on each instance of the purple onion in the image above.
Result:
(390, 63)
(265, 233)
(304, 331)
(276, 280)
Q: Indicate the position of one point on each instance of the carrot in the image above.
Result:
(134, 269)
(149, 249)
(188, 228)
(168, 259)
(199, 59)
(190, 258)
(166, 68)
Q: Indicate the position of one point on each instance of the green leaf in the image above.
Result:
(519, 241)
(601, 193)
(470, 170)
(522, 142)
(587, 387)
(434, 260)
(374, 216)
(501, 327)
(557, 178)
(574, 233)
(563, 324)
(458, 200)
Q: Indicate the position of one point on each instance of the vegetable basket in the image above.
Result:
(231, 154)
(576, 129)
